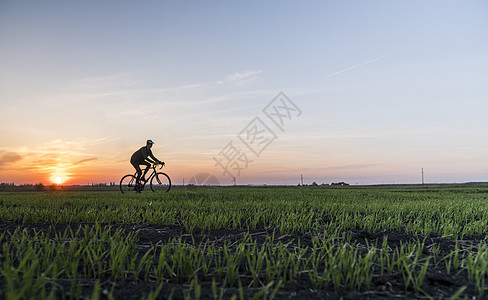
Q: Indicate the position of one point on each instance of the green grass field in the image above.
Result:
(219, 243)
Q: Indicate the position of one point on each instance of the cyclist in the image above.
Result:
(143, 156)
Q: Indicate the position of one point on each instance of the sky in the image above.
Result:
(263, 92)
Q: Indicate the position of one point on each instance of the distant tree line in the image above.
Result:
(27, 187)
(104, 184)
(342, 183)
(10, 186)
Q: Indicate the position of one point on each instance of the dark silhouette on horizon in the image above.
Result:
(145, 157)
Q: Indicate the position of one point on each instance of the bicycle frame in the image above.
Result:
(157, 180)
(153, 168)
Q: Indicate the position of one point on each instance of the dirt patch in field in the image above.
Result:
(438, 283)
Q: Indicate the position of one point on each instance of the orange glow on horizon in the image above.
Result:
(60, 175)
(58, 178)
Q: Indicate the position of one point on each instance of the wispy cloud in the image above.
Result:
(60, 157)
(351, 167)
(137, 91)
(107, 81)
(8, 157)
(85, 160)
(360, 64)
(241, 78)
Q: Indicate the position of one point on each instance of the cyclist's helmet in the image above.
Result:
(150, 142)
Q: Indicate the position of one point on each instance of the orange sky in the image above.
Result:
(106, 160)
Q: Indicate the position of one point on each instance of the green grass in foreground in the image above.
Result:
(449, 212)
(32, 263)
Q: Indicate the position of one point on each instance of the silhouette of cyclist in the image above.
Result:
(143, 156)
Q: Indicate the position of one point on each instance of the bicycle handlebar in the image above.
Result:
(157, 163)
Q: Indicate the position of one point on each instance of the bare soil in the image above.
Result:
(438, 283)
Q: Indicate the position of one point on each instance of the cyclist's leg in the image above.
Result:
(138, 170)
(148, 165)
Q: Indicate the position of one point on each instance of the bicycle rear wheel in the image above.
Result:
(160, 182)
(127, 184)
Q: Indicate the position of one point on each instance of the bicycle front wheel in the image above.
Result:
(127, 184)
(160, 182)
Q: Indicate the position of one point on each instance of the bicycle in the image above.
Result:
(158, 181)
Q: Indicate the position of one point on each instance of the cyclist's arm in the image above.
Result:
(151, 155)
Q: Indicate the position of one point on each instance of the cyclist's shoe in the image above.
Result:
(138, 188)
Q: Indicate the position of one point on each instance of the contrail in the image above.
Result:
(361, 64)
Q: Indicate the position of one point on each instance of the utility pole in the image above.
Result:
(183, 181)
(422, 175)
(234, 181)
(301, 178)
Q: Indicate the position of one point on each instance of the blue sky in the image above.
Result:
(385, 88)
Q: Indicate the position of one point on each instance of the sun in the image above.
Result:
(58, 180)
(59, 177)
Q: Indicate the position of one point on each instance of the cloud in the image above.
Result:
(360, 64)
(108, 81)
(56, 155)
(85, 160)
(117, 85)
(242, 77)
(352, 167)
(9, 157)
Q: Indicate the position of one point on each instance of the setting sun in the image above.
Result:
(59, 177)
